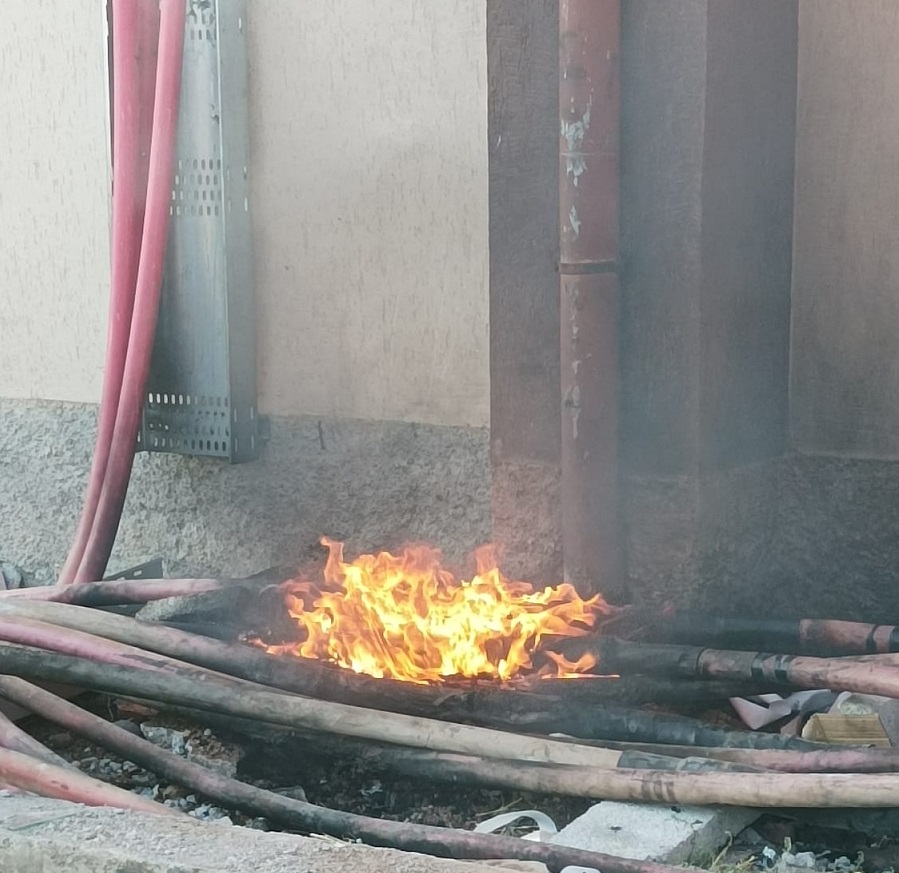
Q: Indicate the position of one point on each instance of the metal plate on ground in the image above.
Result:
(150, 570)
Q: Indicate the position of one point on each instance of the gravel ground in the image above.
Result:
(774, 845)
(324, 779)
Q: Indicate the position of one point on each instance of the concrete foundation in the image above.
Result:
(703, 542)
(836, 549)
(798, 535)
(373, 484)
(526, 523)
(38, 835)
(795, 536)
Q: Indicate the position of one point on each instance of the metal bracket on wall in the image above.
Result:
(150, 570)
(201, 393)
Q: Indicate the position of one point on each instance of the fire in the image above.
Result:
(407, 617)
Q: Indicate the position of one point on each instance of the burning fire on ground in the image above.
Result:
(407, 617)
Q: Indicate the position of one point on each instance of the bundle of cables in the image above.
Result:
(147, 44)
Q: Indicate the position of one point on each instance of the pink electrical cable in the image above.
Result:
(127, 221)
(146, 302)
(148, 39)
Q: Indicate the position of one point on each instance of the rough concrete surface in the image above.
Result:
(674, 835)
(795, 536)
(374, 484)
(836, 550)
(702, 541)
(792, 536)
(844, 374)
(527, 520)
(38, 835)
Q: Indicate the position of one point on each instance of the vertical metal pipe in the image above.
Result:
(588, 204)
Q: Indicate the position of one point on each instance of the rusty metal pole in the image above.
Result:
(588, 204)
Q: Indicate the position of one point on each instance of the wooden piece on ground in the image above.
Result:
(851, 730)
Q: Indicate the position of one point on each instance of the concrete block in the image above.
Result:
(672, 834)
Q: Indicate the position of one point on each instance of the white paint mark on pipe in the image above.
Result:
(574, 221)
(574, 409)
(574, 133)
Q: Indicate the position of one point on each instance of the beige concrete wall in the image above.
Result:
(845, 342)
(369, 166)
(369, 145)
(54, 250)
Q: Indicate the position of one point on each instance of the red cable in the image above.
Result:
(127, 220)
(148, 287)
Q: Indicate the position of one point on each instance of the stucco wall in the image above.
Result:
(54, 250)
(369, 166)
(845, 357)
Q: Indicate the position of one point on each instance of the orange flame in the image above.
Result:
(407, 617)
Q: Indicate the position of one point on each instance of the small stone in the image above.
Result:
(207, 733)
(11, 575)
(42, 577)
(60, 740)
(141, 778)
(803, 860)
(127, 725)
(296, 792)
(224, 766)
(88, 763)
(164, 737)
